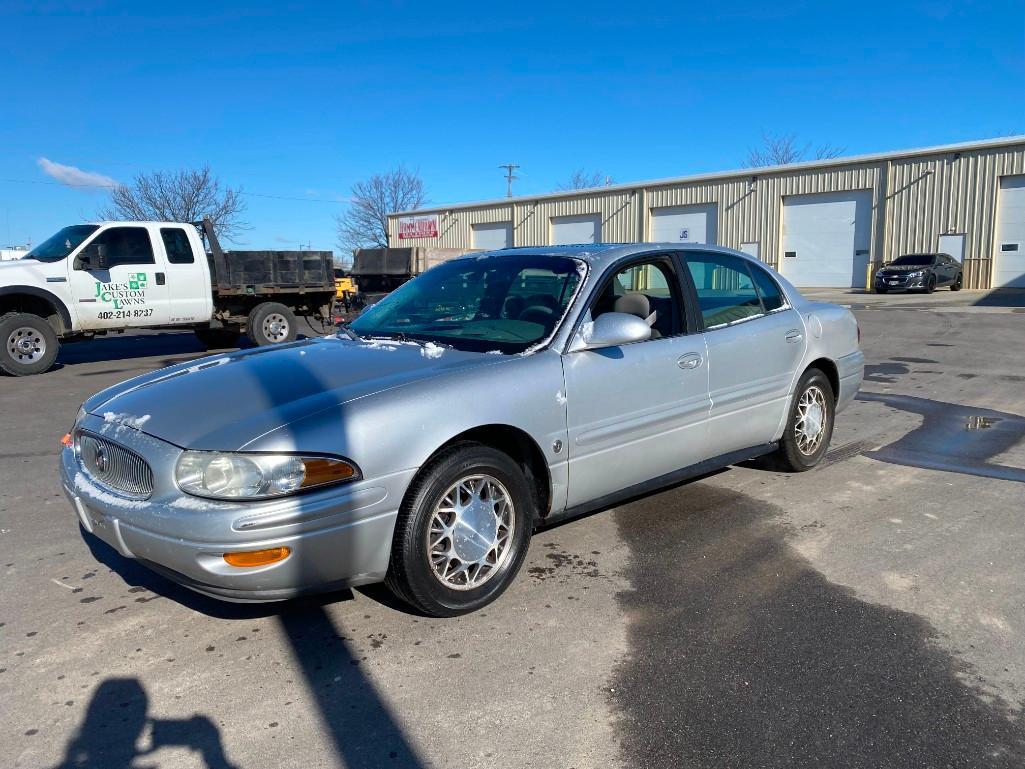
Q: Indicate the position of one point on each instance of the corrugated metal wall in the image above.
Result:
(915, 199)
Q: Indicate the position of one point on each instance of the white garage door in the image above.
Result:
(576, 229)
(827, 238)
(1009, 269)
(683, 224)
(491, 236)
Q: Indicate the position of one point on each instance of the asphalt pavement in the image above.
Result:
(870, 613)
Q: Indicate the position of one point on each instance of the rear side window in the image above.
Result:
(772, 297)
(126, 245)
(177, 246)
(726, 293)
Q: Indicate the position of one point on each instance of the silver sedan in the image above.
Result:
(423, 444)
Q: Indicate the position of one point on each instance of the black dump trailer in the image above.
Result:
(261, 292)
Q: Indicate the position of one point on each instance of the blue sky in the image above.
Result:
(301, 100)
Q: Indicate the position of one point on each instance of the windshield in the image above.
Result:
(506, 302)
(63, 243)
(914, 260)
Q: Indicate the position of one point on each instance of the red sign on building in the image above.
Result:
(418, 227)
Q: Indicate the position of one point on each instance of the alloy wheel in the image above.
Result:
(26, 345)
(810, 426)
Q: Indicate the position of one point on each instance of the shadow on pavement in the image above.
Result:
(117, 723)
(742, 655)
(1002, 297)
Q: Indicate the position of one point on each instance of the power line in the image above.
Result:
(115, 186)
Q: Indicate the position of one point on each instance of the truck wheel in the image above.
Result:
(271, 323)
(217, 338)
(30, 344)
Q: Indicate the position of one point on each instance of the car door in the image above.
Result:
(131, 291)
(187, 276)
(637, 411)
(755, 342)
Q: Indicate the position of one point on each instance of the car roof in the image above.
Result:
(603, 254)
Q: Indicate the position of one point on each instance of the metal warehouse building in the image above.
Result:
(825, 223)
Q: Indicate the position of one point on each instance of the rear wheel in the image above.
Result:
(462, 531)
(271, 323)
(217, 338)
(958, 282)
(810, 424)
(30, 344)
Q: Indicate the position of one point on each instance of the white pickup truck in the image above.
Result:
(101, 278)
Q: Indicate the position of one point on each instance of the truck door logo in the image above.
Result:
(131, 291)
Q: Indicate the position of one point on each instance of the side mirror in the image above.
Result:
(93, 257)
(611, 329)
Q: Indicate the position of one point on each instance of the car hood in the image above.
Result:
(224, 402)
(24, 271)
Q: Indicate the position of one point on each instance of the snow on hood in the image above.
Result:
(223, 402)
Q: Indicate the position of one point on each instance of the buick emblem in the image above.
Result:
(100, 459)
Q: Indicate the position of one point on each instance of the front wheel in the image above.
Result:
(930, 285)
(810, 424)
(462, 531)
(958, 283)
(271, 323)
(30, 344)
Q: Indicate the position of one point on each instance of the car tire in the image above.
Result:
(881, 290)
(958, 282)
(431, 546)
(796, 454)
(217, 338)
(30, 344)
(930, 284)
(271, 323)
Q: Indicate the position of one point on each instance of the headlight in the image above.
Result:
(218, 475)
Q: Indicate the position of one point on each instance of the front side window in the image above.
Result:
(177, 246)
(58, 246)
(647, 290)
(126, 245)
(505, 302)
(726, 292)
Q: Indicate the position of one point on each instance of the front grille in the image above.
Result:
(115, 467)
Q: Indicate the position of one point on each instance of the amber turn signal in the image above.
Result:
(321, 471)
(252, 558)
(66, 441)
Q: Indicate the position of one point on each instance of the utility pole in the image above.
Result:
(509, 177)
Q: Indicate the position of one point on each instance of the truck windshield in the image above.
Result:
(58, 246)
(505, 303)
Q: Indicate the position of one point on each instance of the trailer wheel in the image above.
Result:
(271, 323)
(217, 338)
(29, 344)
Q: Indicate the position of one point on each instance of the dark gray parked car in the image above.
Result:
(919, 272)
(491, 393)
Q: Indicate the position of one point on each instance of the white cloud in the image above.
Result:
(74, 177)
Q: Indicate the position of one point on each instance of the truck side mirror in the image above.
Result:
(93, 257)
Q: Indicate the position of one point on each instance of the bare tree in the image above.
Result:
(179, 196)
(365, 223)
(585, 180)
(783, 149)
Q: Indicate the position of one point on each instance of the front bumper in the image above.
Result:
(339, 537)
(899, 282)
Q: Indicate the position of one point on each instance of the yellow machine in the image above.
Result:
(344, 285)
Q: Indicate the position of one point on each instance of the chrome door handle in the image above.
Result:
(794, 336)
(690, 360)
